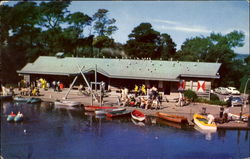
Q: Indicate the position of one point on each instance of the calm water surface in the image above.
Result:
(58, 133)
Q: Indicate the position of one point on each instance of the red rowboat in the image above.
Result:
(173, 118)
(118, 114)
(94, 108)
(137, 115)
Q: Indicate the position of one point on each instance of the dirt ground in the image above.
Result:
(167, 107)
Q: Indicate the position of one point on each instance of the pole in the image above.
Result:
(95, 77)
(86, 81)
(91, 96)
(72, 84)
(245, 100)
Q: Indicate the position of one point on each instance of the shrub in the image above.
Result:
(214, 102)
(191, 95)
(214, 97)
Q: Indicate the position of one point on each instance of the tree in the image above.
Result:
(103, 26)
(78, 21)
(144, 41)
(167, 46)
(217, 48)
(103, 42)
(53, 13)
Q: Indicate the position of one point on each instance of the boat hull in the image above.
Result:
(119, 114)
(104, 111)
(18, 119)
(201, 122)
(10, 118)
(137, 115)
(67, 103)
(172, 118)
(34, 100)
(21, 99)
(94, 108)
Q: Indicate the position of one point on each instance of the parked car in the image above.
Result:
(236, 101)
(221, 90)
(232, 90)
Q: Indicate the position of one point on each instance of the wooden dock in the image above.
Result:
(234, 125)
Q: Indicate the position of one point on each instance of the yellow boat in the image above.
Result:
(202, 122)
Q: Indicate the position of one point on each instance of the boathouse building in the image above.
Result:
(168, 76)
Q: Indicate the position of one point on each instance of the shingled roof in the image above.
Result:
(123, 68)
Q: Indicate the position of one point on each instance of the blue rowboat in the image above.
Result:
(10, 118)
(18, 118)
(21, 99)
(34, 100)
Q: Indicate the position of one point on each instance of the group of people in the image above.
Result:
(151, 99)
(32, 89)
(57, 86)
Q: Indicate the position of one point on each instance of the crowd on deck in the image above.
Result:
(142, 97)
(32, 89)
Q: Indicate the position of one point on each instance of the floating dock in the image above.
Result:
(234, 125)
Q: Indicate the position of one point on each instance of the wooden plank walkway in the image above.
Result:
(234, 125)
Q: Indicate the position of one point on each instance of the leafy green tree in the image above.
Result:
(144, 41)
(167, 46)
(53, 13)
(78, 21)
(103, 26)
(217, 48)
(103, 42)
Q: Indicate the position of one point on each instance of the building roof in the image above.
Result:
(123, 68)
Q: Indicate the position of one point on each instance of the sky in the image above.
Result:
(180, 19)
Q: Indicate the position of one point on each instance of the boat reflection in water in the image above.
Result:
(207, 133)
(53, 132)
(138, 123)
(170, 124)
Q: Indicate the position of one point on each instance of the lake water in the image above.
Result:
(58, 133)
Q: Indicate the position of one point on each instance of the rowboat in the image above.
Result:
(18, 118)
(104, 111)
(34, 100)
(172, 118)
(21, 99)
(137, 115)
(118, 114)
(10, 118)
(94, 108)
(67, 103)
(202, 122)
(237, 117)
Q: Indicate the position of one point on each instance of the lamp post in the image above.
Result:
(245, 100)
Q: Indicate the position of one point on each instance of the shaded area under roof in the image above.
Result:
(123, 68)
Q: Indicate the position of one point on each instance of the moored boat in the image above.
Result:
(93, 108)
(34, 100)
(202, 122)
(21, 99)
(137, 115)
(10, 118)
(118, 114)
(18, 118)
(244, 117)
(67, 103)
(104, 111)
(172, 118)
